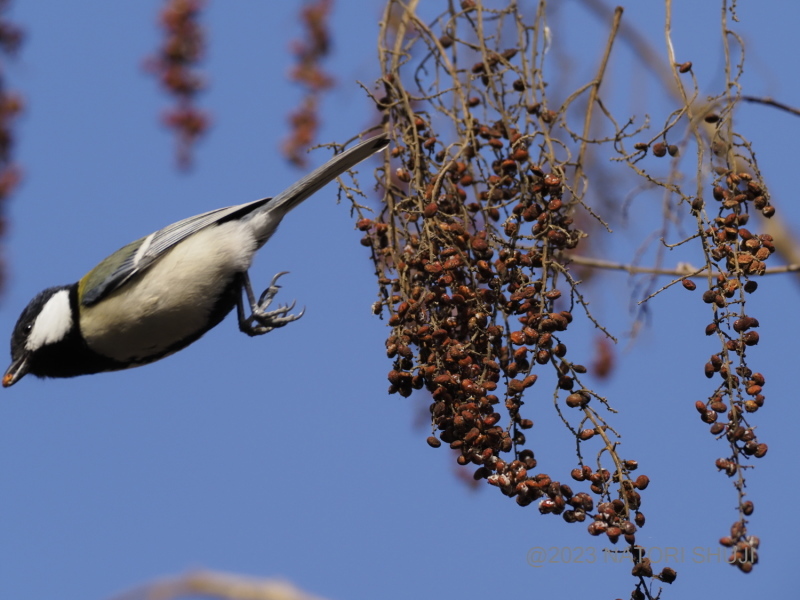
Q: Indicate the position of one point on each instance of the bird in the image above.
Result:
(160, 293)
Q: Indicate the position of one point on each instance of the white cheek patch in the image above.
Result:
(53, 323)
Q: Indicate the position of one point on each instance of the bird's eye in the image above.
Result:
(28, 327)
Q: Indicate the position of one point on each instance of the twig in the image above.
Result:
(770, 102)
(687, 272)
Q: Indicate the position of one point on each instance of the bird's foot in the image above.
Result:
(261, 320)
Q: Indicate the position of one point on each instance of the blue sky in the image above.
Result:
(283, 456)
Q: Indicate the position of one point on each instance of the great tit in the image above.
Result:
(162, 292)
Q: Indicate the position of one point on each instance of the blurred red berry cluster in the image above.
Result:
(175, 66)
(304, 122)
(11, 105)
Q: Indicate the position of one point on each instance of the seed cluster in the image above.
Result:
(472, 255)
(451, 283)
(473, 315)
(738, 255)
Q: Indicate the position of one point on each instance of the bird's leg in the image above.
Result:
(260, 320)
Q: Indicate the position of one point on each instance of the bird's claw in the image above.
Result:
(268, 294)
(261, 320)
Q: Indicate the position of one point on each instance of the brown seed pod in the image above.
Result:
(613, 534)
(750, 338)
(520, 154)
(668, 575)
(762, 254)
(659, 149)
(718, 406)
(578, 400)
(434, 442)
(517, 338)
(689, 284)
(642, 569)
(430, 210)
(627, 527)
(740, 325)
(515, 386)
(530, 380)
(708, 417)
(435, 268)
(597, 528)
(552, 180)
(631, 465)
(709, 296)
(549, 116)
(753, 390)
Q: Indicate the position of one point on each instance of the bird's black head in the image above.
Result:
(42, 335)
(47, 340)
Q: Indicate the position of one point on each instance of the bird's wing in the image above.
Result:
(113, 272)
(118, 268)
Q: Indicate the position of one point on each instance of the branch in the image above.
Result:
(681, 271)
(213, 584)
(770, 102)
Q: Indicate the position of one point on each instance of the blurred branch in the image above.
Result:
(640, 45)
(216, 585)
(770, 102)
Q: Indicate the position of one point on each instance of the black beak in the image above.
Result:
(18, 369)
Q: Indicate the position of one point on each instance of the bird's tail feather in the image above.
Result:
(311, 183)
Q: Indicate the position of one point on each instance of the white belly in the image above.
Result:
(172, 300)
